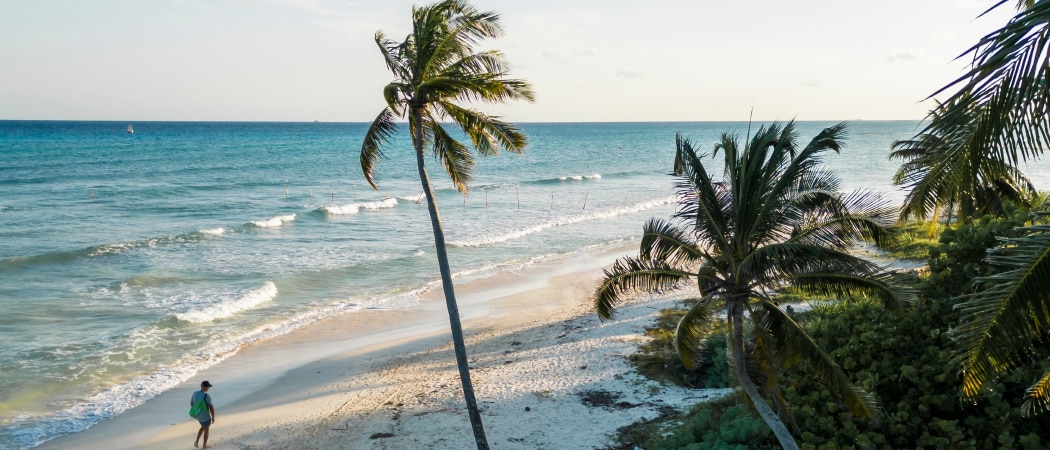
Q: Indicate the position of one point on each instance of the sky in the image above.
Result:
(588, 60)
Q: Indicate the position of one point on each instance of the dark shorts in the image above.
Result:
(205, 423)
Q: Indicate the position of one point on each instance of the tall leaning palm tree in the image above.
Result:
(947, 171)
(774, 219)
(1011, 312)
(434, 68)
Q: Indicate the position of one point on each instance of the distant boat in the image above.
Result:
(130, 129)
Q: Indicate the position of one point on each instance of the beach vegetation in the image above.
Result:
(436, 68)
(913, 240)
(776, 218)
(724, 423)
(910, 365)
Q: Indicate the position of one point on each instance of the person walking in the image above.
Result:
(207, 416)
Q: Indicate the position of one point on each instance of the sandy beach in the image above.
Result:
(547, 374)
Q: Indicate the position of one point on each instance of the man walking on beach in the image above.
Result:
(207, 416)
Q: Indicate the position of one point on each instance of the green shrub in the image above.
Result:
(909, 365)
(723, 424)
(913, 240)
(658, 359)
(959, 255)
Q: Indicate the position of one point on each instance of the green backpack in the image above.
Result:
(199, 407)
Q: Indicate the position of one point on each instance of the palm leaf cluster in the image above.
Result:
(774, 218)
(948, 171)
(1008, 81)
(435, 67)
(1007, 316)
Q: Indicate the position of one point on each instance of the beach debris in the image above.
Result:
(381, 435)
(598, 397)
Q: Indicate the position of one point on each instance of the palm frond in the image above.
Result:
(489, 134)
(391, 51)
(629, 275)
(454, 156)
(379, 132)
(794, 346)
(838, 221)
(702, 201)
(846, 284)
(1000, 321)
(662, 241)
(1037, 397)
(1009, 72)
(693, 328)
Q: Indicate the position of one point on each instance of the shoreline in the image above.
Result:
(532, 338)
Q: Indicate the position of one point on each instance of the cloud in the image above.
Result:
(901, 56)
(811, 83)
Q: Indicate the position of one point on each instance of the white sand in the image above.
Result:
(388, 379)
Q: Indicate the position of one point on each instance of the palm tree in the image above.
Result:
(774, 219)
(435, 67)
(1009, 80)
(947, 172)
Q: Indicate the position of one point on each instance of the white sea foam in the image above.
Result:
(226, 309)
(274, 221)
(214, 231)
(354, 208)
(596, 176)
(563, 221)
(414, 198)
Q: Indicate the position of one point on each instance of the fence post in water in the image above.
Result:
(486, 199)
(286, 189)
(517, 196)
(331, 188)
(584, 201)
(310, 191)
(552, 205)
(355, 193)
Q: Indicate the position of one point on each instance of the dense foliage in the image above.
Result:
(908, 362)
(959, 256)
(910, 365)
(658, 359)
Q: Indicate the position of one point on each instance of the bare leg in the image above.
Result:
(199, 432)
(205, 437)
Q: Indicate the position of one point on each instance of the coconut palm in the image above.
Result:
(435, 67)
(1011, 311)
(947, 172)
(776, 218)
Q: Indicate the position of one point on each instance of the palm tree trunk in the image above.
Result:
(446, 284)
(737, 349)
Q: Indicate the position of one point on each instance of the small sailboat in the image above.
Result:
(130, 129)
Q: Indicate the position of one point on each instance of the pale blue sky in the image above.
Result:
(589, 60)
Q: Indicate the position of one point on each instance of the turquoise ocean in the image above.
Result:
(128, 262)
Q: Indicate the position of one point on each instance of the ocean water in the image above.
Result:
(128, 262)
